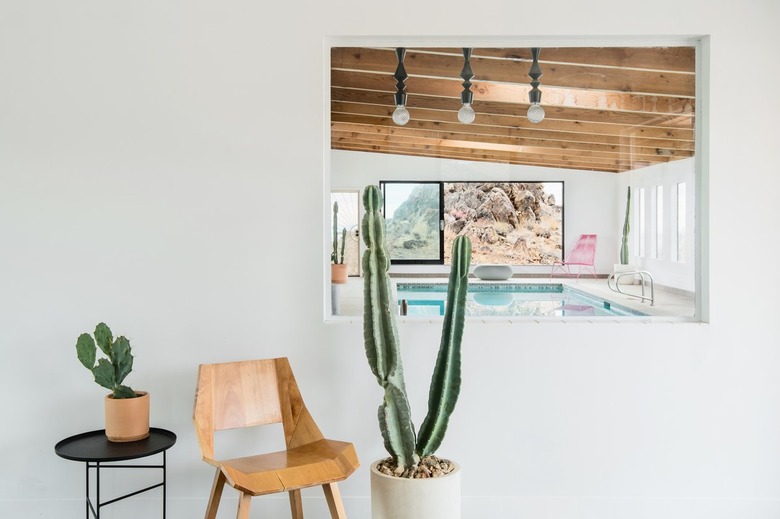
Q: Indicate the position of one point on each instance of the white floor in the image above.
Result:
(668, 305)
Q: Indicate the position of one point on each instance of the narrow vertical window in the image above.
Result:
(681, 216)
(641, 214)
(659, 222)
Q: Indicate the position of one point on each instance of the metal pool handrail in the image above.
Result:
(615, 276)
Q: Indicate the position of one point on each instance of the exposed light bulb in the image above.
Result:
(535, 113)
(466, 114)
(400, 115)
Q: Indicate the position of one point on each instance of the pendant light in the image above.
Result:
(535, 111)
(466, 113)
(401, 114)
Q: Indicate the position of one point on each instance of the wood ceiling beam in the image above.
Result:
(501, 157)
(670, 59)
(346, 137)
(468, 152)
(510, 71)
(345, 129)
(518, 122)
(517, 93)
(494, 158)
(516, 104)
(476, 129)
(445, 146)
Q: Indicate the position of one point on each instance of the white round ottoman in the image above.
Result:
(492, 272)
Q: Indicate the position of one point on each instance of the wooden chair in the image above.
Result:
(260, 392)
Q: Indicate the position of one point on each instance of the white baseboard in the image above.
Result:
(360, 508)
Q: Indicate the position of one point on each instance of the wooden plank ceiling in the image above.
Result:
(606, 109)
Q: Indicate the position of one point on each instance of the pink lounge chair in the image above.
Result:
(582, 255)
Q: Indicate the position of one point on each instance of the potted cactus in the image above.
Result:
(338, 269)
(412, 483)
(127, 411)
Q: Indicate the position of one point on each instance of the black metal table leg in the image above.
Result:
(97, 490)
(165, 484)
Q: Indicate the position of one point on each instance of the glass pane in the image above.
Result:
(659, 222)
(412, 215)
(681, 229)
(348, 219)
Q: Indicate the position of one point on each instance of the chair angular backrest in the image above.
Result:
(259, 392)
(582, 255)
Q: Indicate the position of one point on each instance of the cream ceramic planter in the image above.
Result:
(402, 498)
(624, 280)
(127, 419)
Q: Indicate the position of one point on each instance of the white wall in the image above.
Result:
(144, 147)
(665, 270)
(587, 196)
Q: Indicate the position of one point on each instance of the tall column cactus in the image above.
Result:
(334, 251)
(335, 257)
(343, 244)
(380, 335)
(626, 230)
(445, 383)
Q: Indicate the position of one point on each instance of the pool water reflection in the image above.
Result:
(509, 299)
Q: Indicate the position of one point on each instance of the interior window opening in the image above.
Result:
(488, 156)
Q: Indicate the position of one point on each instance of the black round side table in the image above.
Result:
(94, 449)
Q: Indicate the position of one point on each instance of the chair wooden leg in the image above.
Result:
(296, 505)
(333, 497)
(244, 500)
(216, 495)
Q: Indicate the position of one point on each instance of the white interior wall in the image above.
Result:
(665, 270)
(144, 148)
(582, 194)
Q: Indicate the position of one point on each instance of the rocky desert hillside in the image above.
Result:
(514, 223)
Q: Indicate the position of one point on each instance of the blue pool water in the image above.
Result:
(510, 299)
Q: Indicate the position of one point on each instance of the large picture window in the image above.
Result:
(514, 223)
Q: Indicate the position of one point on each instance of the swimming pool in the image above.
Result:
(510, 299)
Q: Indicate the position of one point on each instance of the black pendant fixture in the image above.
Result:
(466, 114)
(401, 114)
(535, 111)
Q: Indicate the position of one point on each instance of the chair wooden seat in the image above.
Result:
(327, 461)
(258, 392)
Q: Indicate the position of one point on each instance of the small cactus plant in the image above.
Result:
(109, 372)
(333, 252)
(335, 257)
(380, 336)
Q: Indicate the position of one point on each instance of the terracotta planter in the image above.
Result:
(402, 498)
(338, 273)
(127, 419)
